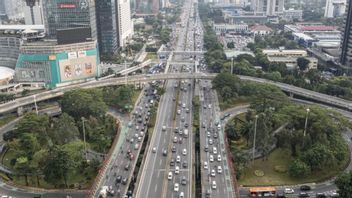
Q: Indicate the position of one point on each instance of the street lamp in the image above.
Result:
(305, 124)
(123, 55)
(35, 104)
(232, 65)
(255, 134)
(84, 138)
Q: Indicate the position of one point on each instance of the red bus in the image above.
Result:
(262, 192)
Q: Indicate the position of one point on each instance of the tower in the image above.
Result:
(346, 45)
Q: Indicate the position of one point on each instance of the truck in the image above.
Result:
(185, 133)
(106, 191)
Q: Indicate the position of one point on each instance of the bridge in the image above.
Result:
(327, 99)
(183, 53)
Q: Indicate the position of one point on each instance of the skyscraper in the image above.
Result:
(107, 27)
(334, 8)
(63, 14)
(124, 22)
(346, 45)
(33, 13)
(268, 7)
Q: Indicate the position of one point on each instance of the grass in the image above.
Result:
(6, 119)
(152, 56)
(275, 174)
(232, 103)
(84, 178)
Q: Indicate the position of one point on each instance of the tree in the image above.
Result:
(302, 63)
(344, 184)
(22, 166)
(33, 123)
(227, 85)
(64, 130)
(298, 169)
(231, 45)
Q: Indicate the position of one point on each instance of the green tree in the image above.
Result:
(298, 169)
(227, 85)
(64, 130)
(302, 63)
(231, 45)
(344, 184)
(33, 123)
(22, 166)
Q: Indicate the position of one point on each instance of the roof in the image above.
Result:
(21, 27)
(302, 36)
(318, 28)
(6, 72)
(260, 28)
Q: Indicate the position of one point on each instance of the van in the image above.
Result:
(185, 133)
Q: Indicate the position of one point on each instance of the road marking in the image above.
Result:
(155, 188)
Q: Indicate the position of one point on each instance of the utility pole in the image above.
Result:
(124, 57)
(84, 138)
(255, 134)
(232, 65)
(306, 123)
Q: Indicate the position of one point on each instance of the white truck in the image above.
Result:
(105, 191)
(185, 133)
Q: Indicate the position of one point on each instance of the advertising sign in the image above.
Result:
(82, 54)
(79, 68)
(67, 6)
(72, 55)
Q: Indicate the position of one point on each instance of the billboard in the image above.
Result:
(73, 35)
(78, 68)
(67, 6)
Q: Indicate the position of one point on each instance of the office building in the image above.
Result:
(9, 50)
(33, 12)
(334, 8)
(346, 45)
(64, 14)
(107, 27)
(2, 7)
(292, 14)
(268, 7)
(14, 9)
(124, 21)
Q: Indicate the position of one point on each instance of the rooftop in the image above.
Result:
(318, 28)
(6, 72)
(260, 28)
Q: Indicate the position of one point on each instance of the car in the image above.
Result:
(124, 181)
(206, 165)
(182, 195)
(163, 128)
(212, 173)
(176, 187)
(184, 181)
(211, 158)
(182, 119)
(177, 170)
(289, 191)
(178, 111)
(208, 134)
(203, 125)
(180, 132)
(204, 106)
(207, 193)
(213, 185)
(215, 151)
(183, 105)
(281, 195)
(215, 135)
(136, 146)
(219, 169)
(219, 158)
(321, 195)
(206, 148)
(186, 125)
(184, 164)
(334, 194)
(303, 194)
(154, 150)
(127, 167)
(210, 141)
(131, 140)
(164, 152)
(131, 156)
(118, 179)
(174, 99)
(173, 149)
(184, 152)
(178, 159)
(187, 110)
(305, 188)
(172, 162)
(175, 139)
(169, 176)
(209, 106)
(180, 140)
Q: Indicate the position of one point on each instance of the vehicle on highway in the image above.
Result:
(164, 152)
(118, 179)
(169, 176)
(175, 139)
(305, 188)
(182, 195)
(207, 193)
(219, 169)
(124, 181)
(127, 167)
(321, 195)
(163, 128)
(206, 165)
(136, 146)
(213, 185)
(185, 133)
(289, 191)
(184, 181)
(303, 194)
(211, 158)
(212, 173)
(184, 152)
(178, 159)
(219, 158)
(206, 148)
(210, 141)
(173, 149)
(184, 164)
(208, 134)
(215, 151)
(177, 170)
(262, 191)
(154, 150)
(176, 187)
(178, 112)
(180, 140)
(172, 162)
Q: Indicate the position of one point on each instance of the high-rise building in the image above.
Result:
(63, 14)
(14, 9)
(2, 7)
(334, 8)
(107, 27)
(33, 12)
(268, 7)
(124, 21)
(346, 45)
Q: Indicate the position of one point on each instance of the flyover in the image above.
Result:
(20, 102)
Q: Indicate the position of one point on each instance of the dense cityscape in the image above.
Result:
(175, 98)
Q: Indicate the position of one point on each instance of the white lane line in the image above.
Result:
(155, 188)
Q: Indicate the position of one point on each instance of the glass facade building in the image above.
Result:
(106, 12)
(63, 14)
(346, 45)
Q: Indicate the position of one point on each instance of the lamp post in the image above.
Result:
(306, 123)
(35, 104)
(255, 134)
(232, 65)
(125, 64)
(84, 138)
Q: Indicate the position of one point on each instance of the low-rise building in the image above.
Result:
(280, 52)
(292, 14)
(230, 28)
(260, 30)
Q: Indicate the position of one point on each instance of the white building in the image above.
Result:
(14, 9)
(35, 17)
(292, 14)
(335, 8)
(227, 28)
(125, 24)
(260, 30)
(268, 7)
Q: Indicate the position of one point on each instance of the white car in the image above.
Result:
(178, 159)
(206, 165)
(169, 177)
(184, 152)
(219, 158)
(211, 158)
(177, 170)
(212, 173)
(182, 195)
(176, 187)
(289, 191)
(215, 151)
(213, 185)
(154, 150)
(219, 169)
